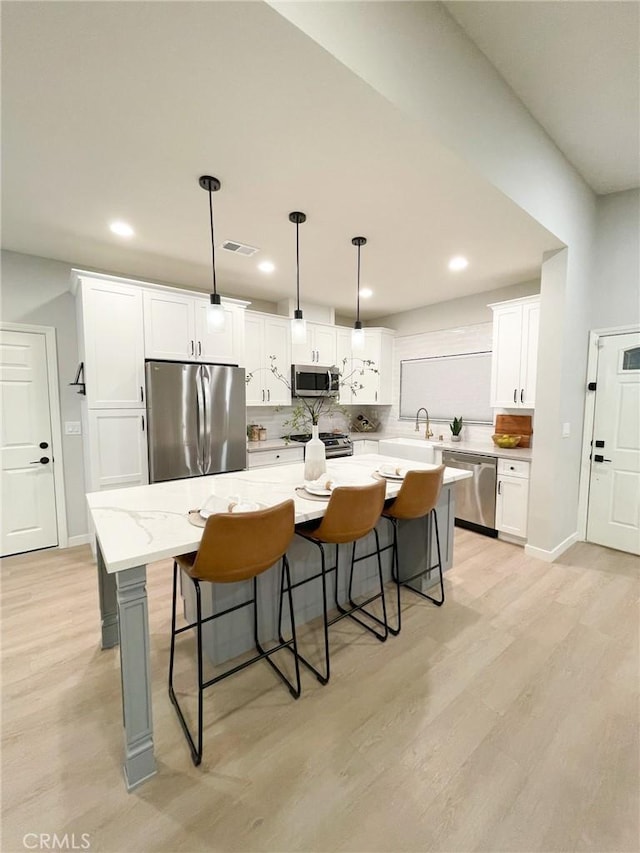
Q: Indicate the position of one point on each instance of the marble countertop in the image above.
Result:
(487, 448)
(141, 524)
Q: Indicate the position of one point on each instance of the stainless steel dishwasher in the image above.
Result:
(475, 497)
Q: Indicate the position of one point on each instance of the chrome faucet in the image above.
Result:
(427, 431)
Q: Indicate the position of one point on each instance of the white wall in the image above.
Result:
(418, 57)
(615, 294)
(464, 311)
(36, 290)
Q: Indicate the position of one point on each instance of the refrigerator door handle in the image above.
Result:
(199, 419)
(205, 379)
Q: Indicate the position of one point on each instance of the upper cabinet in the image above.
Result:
(268, 342)
(515, 353)
(368, 370)
(110, 329)
(319, 348)
(175, 329)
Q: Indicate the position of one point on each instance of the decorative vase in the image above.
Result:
(315, 459)
(456, 437)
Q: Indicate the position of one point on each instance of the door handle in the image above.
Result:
(522, 395)
(263, 395)
(191, 348)
(600, 458)
(499, 487)
(268, 395)
(142, 416)
(199, 348)
(42, 461)
(515, 395)
(141, 394)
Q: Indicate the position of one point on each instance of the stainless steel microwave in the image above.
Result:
(313, 380)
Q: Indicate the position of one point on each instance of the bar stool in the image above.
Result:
(235, 547)
(352, 513)
(417, 498)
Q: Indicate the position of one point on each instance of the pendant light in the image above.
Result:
(215, 311)
(298, 323)
(357, 333)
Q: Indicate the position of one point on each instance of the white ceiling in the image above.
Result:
(113, 110)
(576, 67)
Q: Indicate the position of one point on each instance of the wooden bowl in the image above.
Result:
(506, 441)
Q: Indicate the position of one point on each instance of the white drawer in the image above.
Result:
(262, 458)
(514, 467)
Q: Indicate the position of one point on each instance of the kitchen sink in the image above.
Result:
(408, 448)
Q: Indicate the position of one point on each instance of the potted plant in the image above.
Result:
(456, 429)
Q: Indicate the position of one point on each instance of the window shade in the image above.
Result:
(447, 386)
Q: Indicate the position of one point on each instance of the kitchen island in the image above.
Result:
(144, 524)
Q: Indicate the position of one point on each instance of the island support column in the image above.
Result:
(125, 618)
(135, 669)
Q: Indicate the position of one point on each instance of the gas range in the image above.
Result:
(336, 443)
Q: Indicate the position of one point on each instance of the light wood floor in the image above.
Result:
(505, 721)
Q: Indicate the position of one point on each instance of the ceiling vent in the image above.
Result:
(239, 248)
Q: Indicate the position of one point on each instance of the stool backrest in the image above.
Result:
(352, 512)
(418, 494)
(238, 546)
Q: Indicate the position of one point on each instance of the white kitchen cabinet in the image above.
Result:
(512, 497)
(376, 376)
(267, 335)
(175, 329)
(515, 353)
(267, 458)
(117, 448)
(343, 362)
(111, 343)
(319, 348)
(362, 446)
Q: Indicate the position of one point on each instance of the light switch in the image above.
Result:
(72, 428)
(566, 430)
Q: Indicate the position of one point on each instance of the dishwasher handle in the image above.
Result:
(455, 458)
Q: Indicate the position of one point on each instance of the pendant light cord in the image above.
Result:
(213, 249)
(297, 266)
(358, 294)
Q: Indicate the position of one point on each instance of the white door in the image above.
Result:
(28, 494)
(253, 358)
(169, 327)
(219, 346)
(118, 440)
(277, 343)
(325, 345)
(614, 493)
(505, 361)
(529, 355)
(114, 363)
(512, 501)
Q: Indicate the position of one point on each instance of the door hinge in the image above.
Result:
(591, 386)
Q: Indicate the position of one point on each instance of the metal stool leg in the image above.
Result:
(294, 690)
(405, 582)
(362, 607)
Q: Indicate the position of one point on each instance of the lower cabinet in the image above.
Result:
(512, 497)
(266, 458)
(116, 442)
(367, 445)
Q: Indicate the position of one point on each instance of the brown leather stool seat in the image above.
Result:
(417, 498)
(352, 513)
(235, 547)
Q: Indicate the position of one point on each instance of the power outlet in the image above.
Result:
(72, 428)
(566, 430)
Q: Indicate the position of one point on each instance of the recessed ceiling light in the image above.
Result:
(121, 229)
(366, 292)
(266, 266)
(458, 263)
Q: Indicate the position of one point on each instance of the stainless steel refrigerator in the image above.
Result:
(196, 419)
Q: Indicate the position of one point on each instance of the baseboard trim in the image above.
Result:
(83, 539)
(550, 556)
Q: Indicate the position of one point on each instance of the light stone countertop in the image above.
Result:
(487, 448)
(142, 524)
